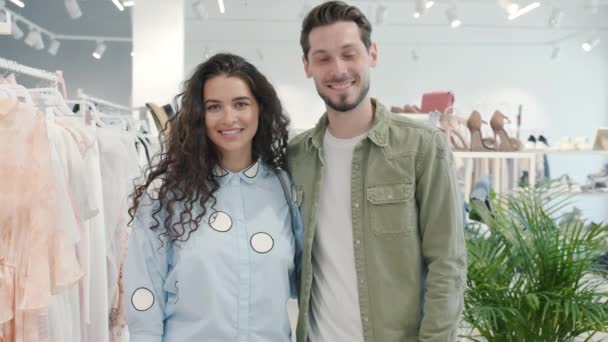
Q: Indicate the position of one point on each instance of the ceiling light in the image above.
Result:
(32, 37)
(5, 22)
(590, 44)
(16, 31)
(452, 14)
(556, 17)
(381, 13)
(524, 10)
(73, 9)
(118, 5)
(132, 54)
(128, 3)
(18, 3)
(429, 4)
(419, 8)
(54, 47)
(220, 4)
(99, 50)
(200, 10)
(509, 6)
(555, 52)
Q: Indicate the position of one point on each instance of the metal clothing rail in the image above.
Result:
(81, 95)
(13, 66)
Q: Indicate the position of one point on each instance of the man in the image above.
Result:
(384, 252)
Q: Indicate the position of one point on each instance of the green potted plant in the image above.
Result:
(531, 276)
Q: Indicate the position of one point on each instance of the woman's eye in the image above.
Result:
(240, 105)
(213, 108)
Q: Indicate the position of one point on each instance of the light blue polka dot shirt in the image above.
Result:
(231, 280)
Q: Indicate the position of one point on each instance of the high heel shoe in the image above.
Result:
(474, 124)
(449, 124)
(455, 122)
(503, 141)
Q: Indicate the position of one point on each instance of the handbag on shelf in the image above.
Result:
(439, 101)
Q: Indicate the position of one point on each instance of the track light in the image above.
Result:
(524, 10)
(429, 4)
(128, 3)
(73, 9)
(200, 10)
(590, 44)
(555, 52)
(16, 31)
(452, 14)
(99, 50)
(556, 17)
(54, 47)
(381, 13)
(5, 22)
(509, 6)
(32, 38)
(419, 8)
(118, 5)
(18, 3)
(220, 4)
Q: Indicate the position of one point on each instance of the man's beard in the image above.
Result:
(345, 106)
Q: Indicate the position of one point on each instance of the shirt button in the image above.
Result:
(357, 241)
(366, 319)
(315, 204)
(356, 205)
(390, 196)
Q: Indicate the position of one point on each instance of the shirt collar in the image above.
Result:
(249, 174)
(378, 133)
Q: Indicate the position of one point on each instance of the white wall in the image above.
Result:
(158, 44)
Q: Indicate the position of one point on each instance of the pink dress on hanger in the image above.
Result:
(36, 257)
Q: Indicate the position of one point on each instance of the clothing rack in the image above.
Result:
(13, 66)
(81, 95)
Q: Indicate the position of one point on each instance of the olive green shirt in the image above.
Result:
(408, 234)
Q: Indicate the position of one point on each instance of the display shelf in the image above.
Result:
(494, 155)
(569, 152)
(499, 162)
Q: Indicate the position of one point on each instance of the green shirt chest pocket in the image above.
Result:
(392, 208)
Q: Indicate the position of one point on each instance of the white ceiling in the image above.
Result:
(277, 22)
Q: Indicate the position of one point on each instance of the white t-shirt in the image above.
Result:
(334, 311)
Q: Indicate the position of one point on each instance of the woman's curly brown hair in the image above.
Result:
(184, 166)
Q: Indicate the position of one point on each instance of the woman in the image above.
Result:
(213, 245)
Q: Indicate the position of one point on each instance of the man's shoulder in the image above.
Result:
(299, 141)
(409, 128)
(409, 136)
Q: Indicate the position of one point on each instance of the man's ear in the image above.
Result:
(306, 66)
(373, 52)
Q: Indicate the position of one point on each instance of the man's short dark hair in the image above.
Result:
(332, 12)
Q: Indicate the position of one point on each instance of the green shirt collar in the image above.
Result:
(378, 133)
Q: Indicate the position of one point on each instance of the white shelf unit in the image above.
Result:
(570, 152)
(497, 159)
